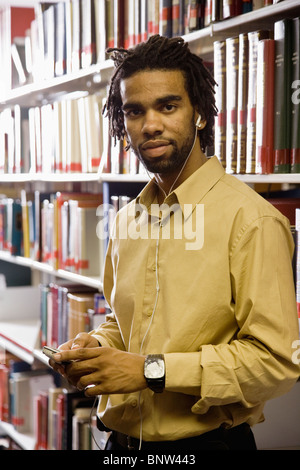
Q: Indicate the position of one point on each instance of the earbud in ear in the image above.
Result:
(198, 122)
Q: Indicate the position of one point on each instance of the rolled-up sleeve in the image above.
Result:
(257, 364)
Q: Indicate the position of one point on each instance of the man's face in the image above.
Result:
(159, 118)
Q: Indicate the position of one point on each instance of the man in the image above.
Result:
(203, 318)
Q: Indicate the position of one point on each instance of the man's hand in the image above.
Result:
(103, 370)
(82, 340)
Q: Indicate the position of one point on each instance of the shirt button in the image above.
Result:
(154, 267)
(149, 313)
(134, 403)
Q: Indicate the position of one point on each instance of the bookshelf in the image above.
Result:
(19, 334)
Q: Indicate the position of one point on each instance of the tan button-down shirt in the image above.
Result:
(214, 293)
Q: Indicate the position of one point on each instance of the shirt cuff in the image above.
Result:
(101, 340)
(183, 372)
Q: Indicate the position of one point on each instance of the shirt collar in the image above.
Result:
(191, 191)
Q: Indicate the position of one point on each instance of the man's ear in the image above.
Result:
(200, 123)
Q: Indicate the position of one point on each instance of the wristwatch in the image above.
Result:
(154, 372)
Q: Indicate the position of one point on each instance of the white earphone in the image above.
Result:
(199, 124)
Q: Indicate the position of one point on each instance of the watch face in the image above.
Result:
(155, 369)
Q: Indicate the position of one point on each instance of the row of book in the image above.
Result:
(65, 420)
(67, 309)
(19, 383)
(258, 121)
(65, 230)
(68, 35)
(60, 229)
(67, 136)
(58, 418)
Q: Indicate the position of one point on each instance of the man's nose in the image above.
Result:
(152, 124)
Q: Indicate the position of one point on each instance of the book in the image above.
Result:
(72, 401)
(24, 386)
(109, 20)
(54, 310)
(47, 139)
(295, 97)
(232, 8)
(68, 35)
(81, 439)
(19, 71)
(91, 130)
(14, 21)
(76, 34)
(253, 37)
(242, 103)
(41, 404)
(220, 94)
(60, 19)
(13, 234)
(265, 107)
(49, 26)
(282, 97)
(4, 393)
(7, 141)
(25, 224)
(52, 418)
(73, 154)
(60, 422)
(88, 33)
(232, 61)
(165, 18)
(78, 319)
(100, 30)
(87, 255)
(67, 225)
(118, 19)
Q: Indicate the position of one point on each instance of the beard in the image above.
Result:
(162, 165)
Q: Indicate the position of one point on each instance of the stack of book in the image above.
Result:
(63, 420)
(19, 385)
(258, 76)
(67, 136)
(59, 229)
(67, 309)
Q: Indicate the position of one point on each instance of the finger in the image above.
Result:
(77, 354)
(57, 367)
(93, 391)
(80, 341)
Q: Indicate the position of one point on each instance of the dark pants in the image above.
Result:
(237, 438)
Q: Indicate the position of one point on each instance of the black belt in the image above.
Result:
(221, 438)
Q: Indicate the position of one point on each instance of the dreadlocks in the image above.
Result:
(164, 54)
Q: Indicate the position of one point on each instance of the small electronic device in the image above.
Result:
(49, 352)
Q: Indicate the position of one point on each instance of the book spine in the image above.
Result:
(253, 37)
(76, 35)
(88, 33)
(220, 121)
(175, 18)
(265, 107)
(282, 123)
(295, 98)
(232, 60)
(242, 103)
(144, 20)
(165, 18)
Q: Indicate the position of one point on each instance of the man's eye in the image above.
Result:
(169, 107)
(132, 112)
